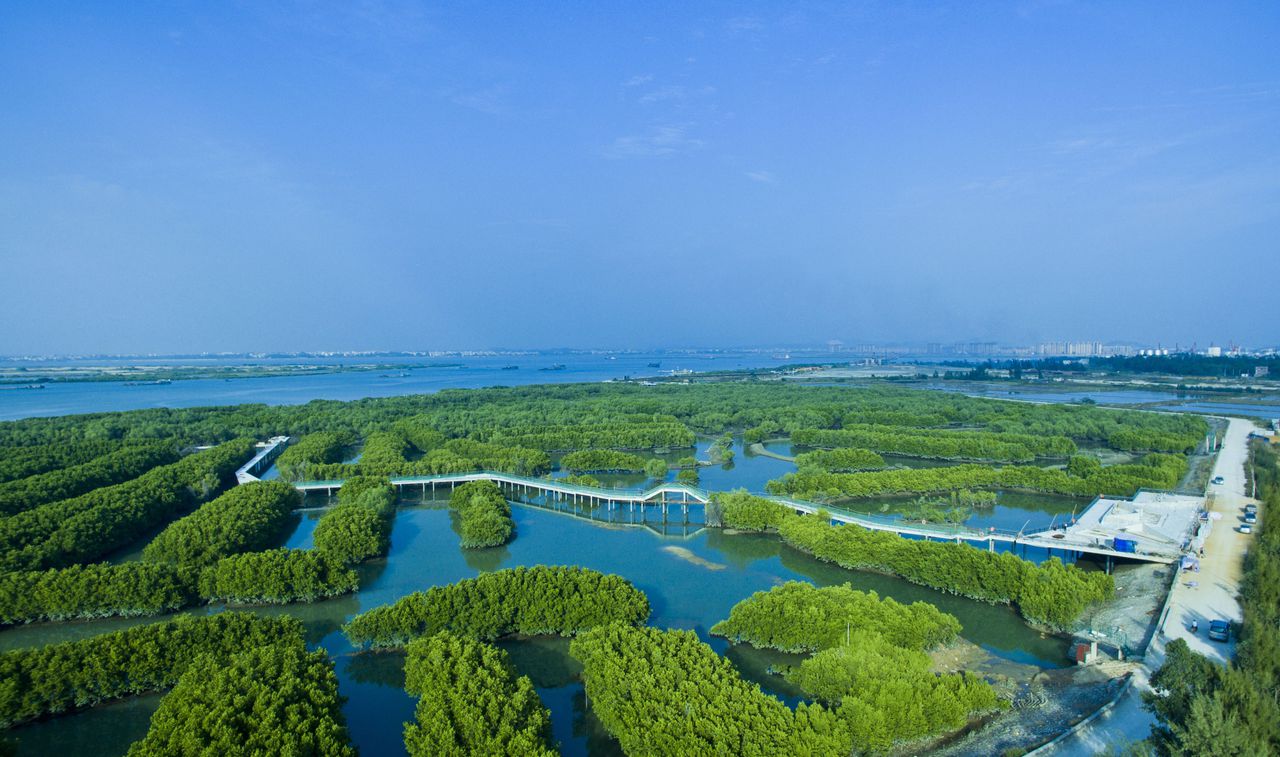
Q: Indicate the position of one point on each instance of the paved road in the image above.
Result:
(1214, 596)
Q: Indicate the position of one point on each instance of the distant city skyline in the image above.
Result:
(393, 175)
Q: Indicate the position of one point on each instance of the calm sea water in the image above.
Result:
(463, 373)
(474, 372)
(1271, 411)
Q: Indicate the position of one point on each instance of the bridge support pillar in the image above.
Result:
(991, 545)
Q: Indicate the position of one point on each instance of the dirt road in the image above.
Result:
(1211, 593)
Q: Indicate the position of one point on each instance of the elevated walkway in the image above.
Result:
(665, 492)
(1065, 540)
(268, 451)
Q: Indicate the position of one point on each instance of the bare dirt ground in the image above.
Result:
(1130, 619)
(1004, 674)
(758, 448)
(1044, 704)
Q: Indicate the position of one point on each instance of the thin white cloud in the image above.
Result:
(637, 80)
(488, 100)
(1081, 144)
(673, 92)
(994, 184)
(743, 25)
(764, 177)
(1115, 148)
(658, 142)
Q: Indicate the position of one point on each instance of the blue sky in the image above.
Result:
(369, 175)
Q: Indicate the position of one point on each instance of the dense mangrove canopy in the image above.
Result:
(77, 490)
(539, 600)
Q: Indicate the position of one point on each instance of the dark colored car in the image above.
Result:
(1219, 630)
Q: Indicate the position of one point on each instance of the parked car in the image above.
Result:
(1250, 518)
(1218, 480)
(1250, 509)
(1219, 630)
(1245, 528)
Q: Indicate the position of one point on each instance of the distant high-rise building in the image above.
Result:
(1073, 349)
(983, 348)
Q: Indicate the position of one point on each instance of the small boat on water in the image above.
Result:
(510, 367)
(655, 365)
(556, 367)
(157, 382)
(24, 386)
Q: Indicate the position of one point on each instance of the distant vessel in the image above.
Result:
(556, 367)
(157, 382)
(655, 365)
(25, 386)
(782, 356)
(401, 374)
(510, 367)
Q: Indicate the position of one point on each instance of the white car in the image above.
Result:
(1218, 480)
(1246, 528)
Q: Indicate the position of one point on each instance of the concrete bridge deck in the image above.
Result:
(268, 451)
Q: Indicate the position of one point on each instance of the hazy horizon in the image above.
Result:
(807, 348)
(393, 175)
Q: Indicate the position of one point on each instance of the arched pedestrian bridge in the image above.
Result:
(666, 493)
